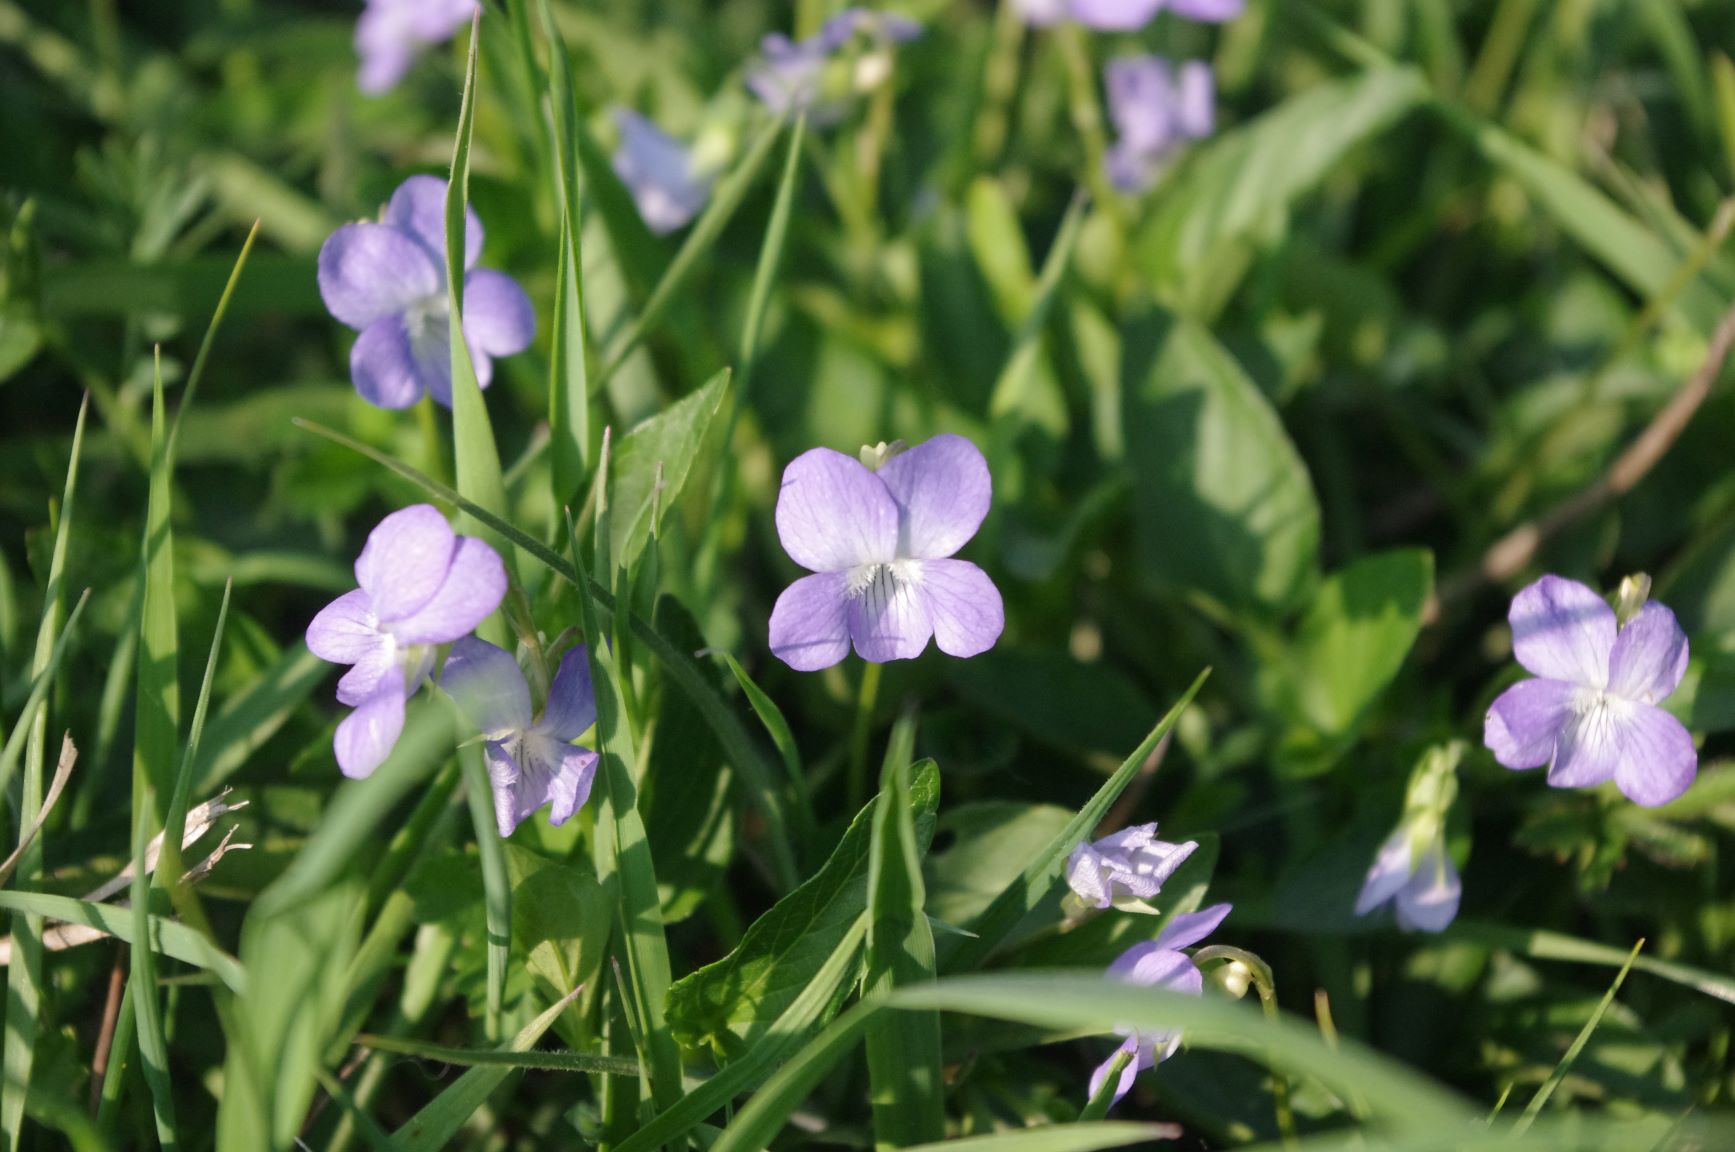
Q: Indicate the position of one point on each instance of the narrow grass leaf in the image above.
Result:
(1081, 1137)
(765, 1114)
(569, 382)
(1541, 944)
(496, 888)
(1531, 1110)
(502, 1058)
(1015, 393)
(770, 259)
(167, 937)
(1024, 893)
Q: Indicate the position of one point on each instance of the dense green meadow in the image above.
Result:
(1246, 434)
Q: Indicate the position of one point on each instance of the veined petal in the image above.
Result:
(1525, 722)
(1649, 656)
(833, 514)
(498, 318)
(1563, 630)
(963, 605)
(489, 686)
(1658, 761)
(369, 271)
(1390, 872)
(474, 586)
(1429, 902)
(419, 208)
(809, 624)
(365, 737)
(571, 704)
(504, 776)
(405, 561)
(1187, 928)
(1084, 875)
(888, 617)
(345, 630)
(1591, 744)
(942, 489)
(382, 365)
(359, 685)
(569, 782)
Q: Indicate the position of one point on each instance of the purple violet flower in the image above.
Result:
(790, 75)
(1126, 15)
(1124, 869)
(421, 585)
(532, 761)
(1423, 886)
(1155, 109)
(1591, 714)
(1157, 963)
(879, 544)
(392, 33)
(660, 172)
(388, 281)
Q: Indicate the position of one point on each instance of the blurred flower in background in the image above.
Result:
(388, 281)
(849, 55)
(1126, 15)
(1156, 109)
(392, 33)
(1413, 870)
(667, 180)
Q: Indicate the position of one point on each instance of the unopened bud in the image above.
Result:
(874, 456)
(1635, 590)
(1234, 978)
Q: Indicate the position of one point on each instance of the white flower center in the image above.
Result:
(880, 585)
(1600, 714)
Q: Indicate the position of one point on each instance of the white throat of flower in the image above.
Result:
(883, 585)
(426, 319)
(1599, 714)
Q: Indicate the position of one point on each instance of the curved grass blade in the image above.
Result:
(493, 1057)
(1024, 893)
(1531, 1110)
(764, 1115)
(770, 258)
(1540, 944)
(1082, 1137)
(170, 938)
(569, 383)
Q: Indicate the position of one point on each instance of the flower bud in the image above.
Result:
(1234, 978)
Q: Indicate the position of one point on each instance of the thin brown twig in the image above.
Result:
(1510, 554)
(105, 1034)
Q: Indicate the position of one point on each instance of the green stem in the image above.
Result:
(1266, 985)
(858, 739)
(496, 888)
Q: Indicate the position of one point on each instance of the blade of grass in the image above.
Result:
(15, 740)
(1540, 944)
(496, 888)
(1534, 1108)
(1081, 1137)
(1011, 394)
(770, 258)
(169, 865)
(24, 981)
(762, 1117)
(569, 384)
(168, 937)
(747, 757)
(494, 1057)
(199, 361)
(1024, 893)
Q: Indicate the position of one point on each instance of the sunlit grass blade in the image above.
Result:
(817, 997)
(156, 735)
(1541, 944)
(198, 370)
(569, 374)
(493, 1057)
(725, 199)
(777, 727)
(1084, 1137)
(496, 888)
(170, 938)
(1538, 1101)
(903, 1049)
(1066, 999)
(1012, 391)
(24, 980)
(620, 833)
(434, 1126)
(770, 259)
(478, 461)
(13, 750)
(762, 1117)
(1002, 916)
(748, 758)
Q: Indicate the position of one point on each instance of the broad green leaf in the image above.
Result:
(1027, 390)
(664, 448)
(733, 1002)
(903, 1051)
(1223, 505)
(560, 920)
(992, 840)
(996, 241)
(1025, 892)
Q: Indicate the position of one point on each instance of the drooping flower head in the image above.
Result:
(1591, 714)
(532, 761)
(388, 281)
(1126, 15)
(392, 33)
(1413, 870)
(1124, 869)
(880, 544)
(850, 54)
(1156, 109)
(1158, 963)
(668, 185)
(421, 585)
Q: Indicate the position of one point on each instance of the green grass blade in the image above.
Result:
(1024, 893)
(156, 734)
(167, 937)
(620, 831)
(433, 1127)
(39, 686)
(1084, 1137)
(1541, 944)
(24, 979)
(727, 197)
(770, 259)
(1534, 1108)
(764, 1115)
(756, 769)
(509, 1058)
(903, 1048)
(169, 865)
(478, 460)
(496, 888)
(1012, 394)
(198, 371)
(1063, 999)
(569, 374)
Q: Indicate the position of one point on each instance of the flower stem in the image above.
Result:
(1266, 985)
(858, 740)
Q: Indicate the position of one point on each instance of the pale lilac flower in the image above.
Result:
(1124, 869)
(660, 172)
(1157, 963)
(392, 33)
(1126, 15)
(1422, 885)
(1155, 109)
(791, 75)
(1591, 714)
(421, 585)
(388, 281)
(532, 761)
(879, 543)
